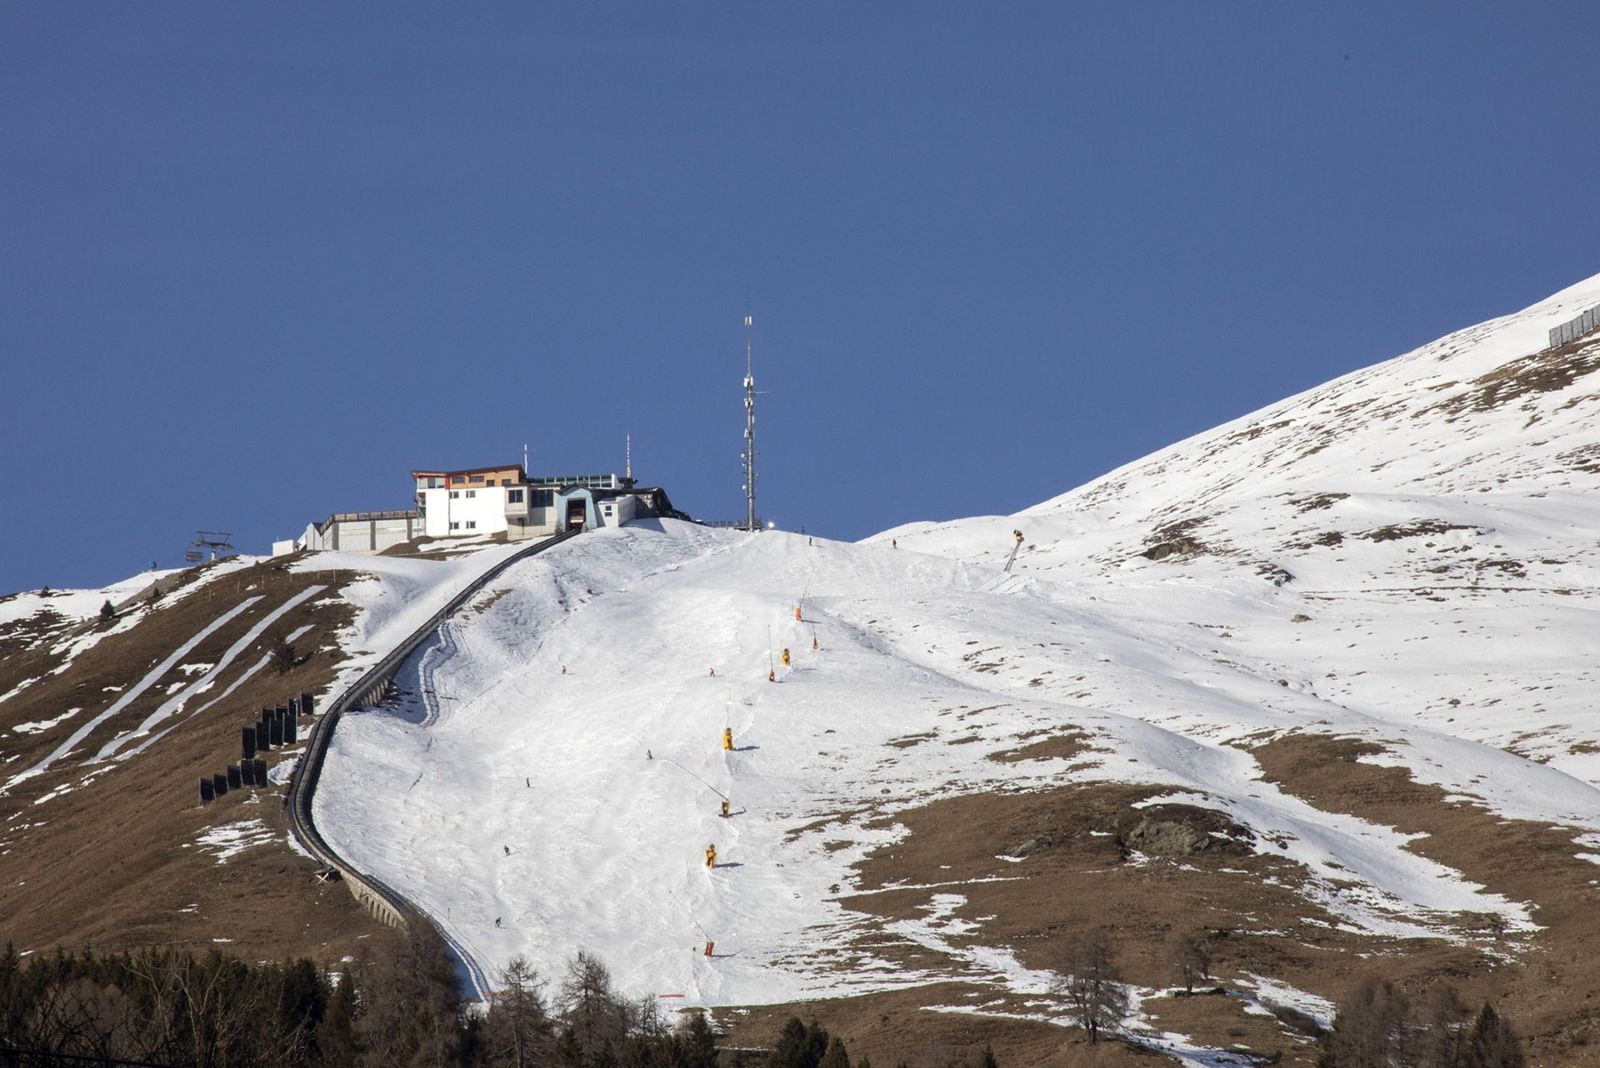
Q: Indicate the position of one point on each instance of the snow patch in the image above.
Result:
(231, 839)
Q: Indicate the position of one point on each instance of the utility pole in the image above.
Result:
(749, 431)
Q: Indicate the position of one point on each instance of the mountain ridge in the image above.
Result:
(1315, 681)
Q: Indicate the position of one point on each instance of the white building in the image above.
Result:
(355, 532)
(488, 501)
(480, 500)
(494, 500)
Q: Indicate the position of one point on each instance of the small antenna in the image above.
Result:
(524, 459)
(627, 470)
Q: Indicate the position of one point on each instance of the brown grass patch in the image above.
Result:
(1552, 990)
(1068, 746)
(114, 863)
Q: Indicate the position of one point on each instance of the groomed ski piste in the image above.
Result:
(1406, 555)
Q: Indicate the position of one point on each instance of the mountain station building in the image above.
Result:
(487, 501)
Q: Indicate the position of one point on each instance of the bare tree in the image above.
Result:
(1370, 1027)
(596, 1020)
(1092, 986)
(1442, 1038)
(410, 1011)
(72, 1014)
(646, 1019)
(1191, 958)
(517, 1031)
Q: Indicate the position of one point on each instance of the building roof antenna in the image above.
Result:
(627, 458)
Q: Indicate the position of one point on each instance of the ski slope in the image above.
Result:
(1406, 555)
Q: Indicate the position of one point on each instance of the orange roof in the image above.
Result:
(466, 471)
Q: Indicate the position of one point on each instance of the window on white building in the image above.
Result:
(472, 524)
(454, 494)
(514, 496)
(455, 526)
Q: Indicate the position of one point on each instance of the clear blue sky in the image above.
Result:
(259, 261)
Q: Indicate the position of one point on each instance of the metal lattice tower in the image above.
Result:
(749, 431)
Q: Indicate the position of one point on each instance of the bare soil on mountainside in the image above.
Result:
(1081, 869)
(1548, 983)
(116, 860)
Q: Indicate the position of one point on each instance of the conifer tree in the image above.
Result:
(835, 1056)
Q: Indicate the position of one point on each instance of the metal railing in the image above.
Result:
(362, 517)
(388, 904)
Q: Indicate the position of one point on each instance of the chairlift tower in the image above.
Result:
(749, 431)
(216, 541)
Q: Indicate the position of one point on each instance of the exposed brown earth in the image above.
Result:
(116, 863)
(1082, 869)
(893, 1027)
(1066, 746)
(1550, 985)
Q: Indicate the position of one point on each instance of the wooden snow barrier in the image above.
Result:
(384, 902)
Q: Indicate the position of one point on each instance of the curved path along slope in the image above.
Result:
(390, 905)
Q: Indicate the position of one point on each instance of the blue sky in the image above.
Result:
(259, 261)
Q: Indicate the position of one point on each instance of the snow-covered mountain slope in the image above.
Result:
(1460, 475)
(1405, 556)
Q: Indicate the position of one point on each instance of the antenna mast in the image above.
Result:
(749, 431)
(627, 469)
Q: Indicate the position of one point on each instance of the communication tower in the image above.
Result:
(749, 431)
